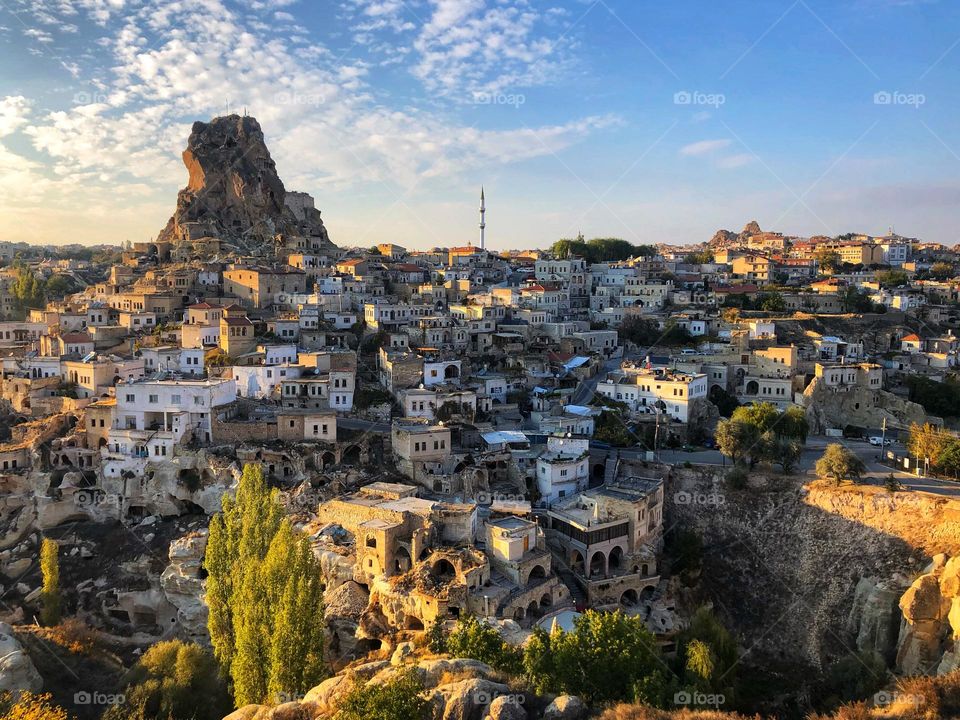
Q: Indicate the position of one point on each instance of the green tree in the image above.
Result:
(50, 593)
(400, 698)
(839, 464)
(853, 300)
(58, 286)
(473, 638)
(942, 271)
(891, 278)
(785, 452)
(265, 596)
(609, 428)
(700, 665)
(27, 289)
(736, 439)
(602, 659)
(772, 302)
(927, 443)
(715, 672)
(173, 680)
(828, 260)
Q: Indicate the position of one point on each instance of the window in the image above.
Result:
(154, 398)
(197, 400)
(130, 398)
(175, 399)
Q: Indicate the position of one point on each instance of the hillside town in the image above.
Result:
(460, 431)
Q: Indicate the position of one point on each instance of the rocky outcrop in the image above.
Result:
(874, 618)
(566, 707)
(17, 672)
(831, 407)
(931, 621)
(234, 200)
(343, 608)
(456, 688)
(183, 585)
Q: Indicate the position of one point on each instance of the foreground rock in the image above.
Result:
(17, 672)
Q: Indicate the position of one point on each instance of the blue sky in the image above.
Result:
(652, 121)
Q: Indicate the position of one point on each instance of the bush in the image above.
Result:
(473, 638)
(173, 680)
(27, 706)
(398, 699)
(737, 477)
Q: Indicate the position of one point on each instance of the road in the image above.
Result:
(349, 423)
(875, 474)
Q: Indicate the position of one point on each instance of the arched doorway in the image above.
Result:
(629, 598)
(598, 564)
(451, 372)
(753, 388)
(443, 569)
(545, 601)
(576, 562)
(351, 456)
(537, 573)
(401, 560)
(616, 559)
(327, 459)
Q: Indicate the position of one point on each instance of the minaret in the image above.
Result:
(483, 224)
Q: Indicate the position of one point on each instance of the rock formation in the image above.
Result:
(235, 201)
(829, 407)
(183, 585)
(931, 621)
(17, 671)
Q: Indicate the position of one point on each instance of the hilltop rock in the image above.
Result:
(234, 200)
(751, 228)
(183, 586)
(17, 671)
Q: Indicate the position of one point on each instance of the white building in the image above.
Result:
(564, 469)
(654, 391)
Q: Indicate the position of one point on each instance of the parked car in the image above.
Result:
(878, 441)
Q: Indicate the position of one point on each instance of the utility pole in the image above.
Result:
(883, 439)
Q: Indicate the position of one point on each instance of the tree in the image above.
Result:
(701, 257)
(50, 592)
(700, 665)
(27, 706)
(265, 596)
(437, 636)
(173, 680)
(853, 300)
(948, 461)
(828, 260)
(736, 438)
(772, 302)
(891, 278)
(839, 464)
(785, 452)
(400, 698)
(27, 289)
(927, 442)
(473, 638)
(602, 659)
(764, 416)
(705, 629)
(58, 286)
(941, 271)
(610, 428)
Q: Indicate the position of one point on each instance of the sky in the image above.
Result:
(656, 122)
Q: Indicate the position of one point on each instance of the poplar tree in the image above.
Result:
(50, 593)
(265, 595)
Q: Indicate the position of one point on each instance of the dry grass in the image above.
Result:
(73, 635)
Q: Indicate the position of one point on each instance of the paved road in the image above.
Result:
(876, 472)
(586, 389)
(359, 424)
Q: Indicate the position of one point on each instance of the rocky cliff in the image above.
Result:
(234, 200)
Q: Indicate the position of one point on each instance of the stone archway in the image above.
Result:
(537, 573)
(351, 456)
(401, 560)
(629, 598)
(615, 561)
(598, 564)
(576, 563)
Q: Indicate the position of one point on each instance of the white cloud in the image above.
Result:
(735, 161)
(703, 147)
(14, 111)
(171, 63)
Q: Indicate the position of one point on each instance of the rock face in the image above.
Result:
(875, 616)
(183, 585)
(234, 200)
(931, 621)
(17, 671)
(826, 407)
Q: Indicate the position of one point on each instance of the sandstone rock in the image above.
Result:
(183, 587)
(234, 199)
(17, 671)
(400, 655)
(924, 627)
(874, 617)
(506, 708)
(950, 578)
(247, 712)
(466, 699)
(566, 707)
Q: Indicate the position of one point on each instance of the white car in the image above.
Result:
(878, 441)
